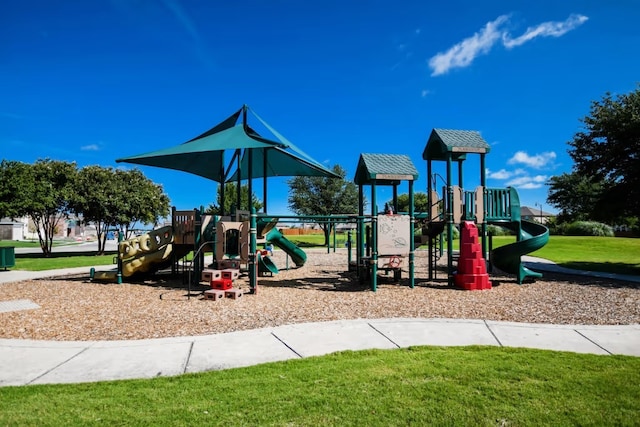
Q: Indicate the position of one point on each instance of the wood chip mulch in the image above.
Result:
(73, 308)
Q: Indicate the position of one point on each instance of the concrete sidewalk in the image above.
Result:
(542, 265)
(8, 276)
(24, 362)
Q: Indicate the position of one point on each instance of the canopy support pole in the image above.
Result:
(412, 241)
(264, 181)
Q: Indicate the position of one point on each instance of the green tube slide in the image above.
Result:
(298, 256)
(532, 236)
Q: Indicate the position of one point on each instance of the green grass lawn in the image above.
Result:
(54, 262)
(607, 254)
(32, 243)
(479, 386)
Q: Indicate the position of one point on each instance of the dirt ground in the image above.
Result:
(74, 308)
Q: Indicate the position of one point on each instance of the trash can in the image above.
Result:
(7, 257)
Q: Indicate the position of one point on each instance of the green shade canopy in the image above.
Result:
(204, 154)
(283, 160)
(456, 143)
(385, 169)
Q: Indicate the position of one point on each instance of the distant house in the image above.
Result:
(12, 230)
(24, 229)
(535, 214)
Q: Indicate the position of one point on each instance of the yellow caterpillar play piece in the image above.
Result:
(141, 254)
(144, 263)
(107, 276)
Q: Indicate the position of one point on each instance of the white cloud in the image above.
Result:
(505, 174)
(462, 54)
(537, 161)
(518, 178)
(546, 29)
(425, 92)
(90, 147)
(501, 174)
(527, 182)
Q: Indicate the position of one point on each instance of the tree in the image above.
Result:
(117, 198)
(420, 202)
(314, 195)
(576, 196)
(96, 200)
(48, 188)
(12, 194)
(140, 200)
(230, 199)
(608, 150)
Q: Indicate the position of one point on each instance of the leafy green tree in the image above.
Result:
(110, 197)
(230, 199)
(97, 200)
(608, 150)
(12, 194)
(48, 188)
(420, 202)
(140, 200)
(314, 195)
(575, 195)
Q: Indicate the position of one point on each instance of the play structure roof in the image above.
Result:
(454, 143)
(204, 155)
(385, 169)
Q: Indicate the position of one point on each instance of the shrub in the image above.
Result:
(589, 228)
(496, 230)
(556, 227)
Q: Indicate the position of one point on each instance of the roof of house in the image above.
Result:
(527, 211)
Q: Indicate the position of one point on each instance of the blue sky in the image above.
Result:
(93, 81)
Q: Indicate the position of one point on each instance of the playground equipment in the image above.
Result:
(193, 231)
(233, 243)
(385, 242)
(503, 209)
(378, 248)
(390, 240)
(472, 268)
(483, 206)
(297, 255)
(154, 250)
(147, 253)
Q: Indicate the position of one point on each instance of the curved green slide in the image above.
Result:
(298, 256)
(265, 265)
(531, 237)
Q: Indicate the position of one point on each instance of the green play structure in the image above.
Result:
(530, 236)
(384, 241)
(233, 151)
(449, 207)
(499, 206)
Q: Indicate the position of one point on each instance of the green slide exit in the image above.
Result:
(265, 265)
(298, 256)
(531, 237)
